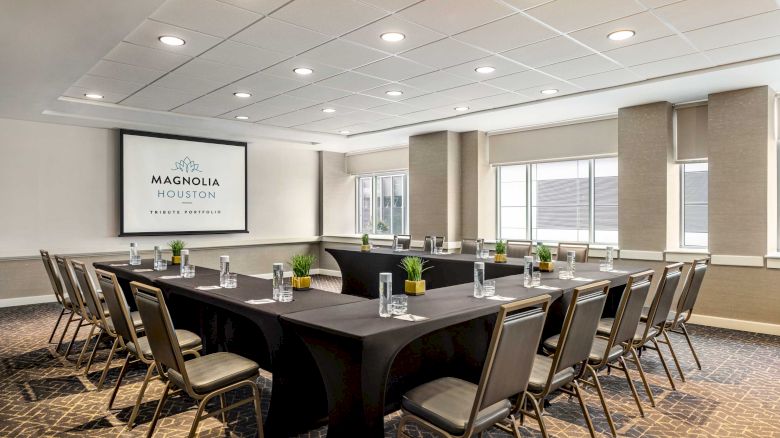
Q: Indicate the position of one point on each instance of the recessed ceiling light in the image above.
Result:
(242, 117)
(620, 35)
(392, 37)
(242, 94)
(171, 40)
(461, 108)
(303, 71)
(329, 110)
(485, 69)
(93, 96)
(344, 132)
(394, 93)
(549, 91)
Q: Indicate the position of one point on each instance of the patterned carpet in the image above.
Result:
(736, 395)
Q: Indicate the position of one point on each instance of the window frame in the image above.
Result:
(375, 181)
(682, 204)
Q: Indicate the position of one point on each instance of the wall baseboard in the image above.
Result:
(24, 301)
(633, 254)
(736, 324)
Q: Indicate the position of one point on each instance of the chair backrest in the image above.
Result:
(691, 288)
(66, 273)
(518, 248)
(469, 246)
(404, 240)
(664, 295)
(581, 251)
(95, 309)
(117, 306)
(629, 311)
(579, 326)
(54, 279)
(159, 329)
(427, 243)
(511, 353)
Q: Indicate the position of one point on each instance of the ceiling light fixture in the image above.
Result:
(93, 96)
(485, 69)
(303, 71)
(394, 93)
(461, 108)
(620, 35)
(344, 132)
(169, 40)
(242, 94)
(392, 37)
(549, 91)
(329, 110)
(242, 117)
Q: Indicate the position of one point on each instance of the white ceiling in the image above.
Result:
(253, 46)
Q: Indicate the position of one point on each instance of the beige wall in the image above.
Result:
(378, 161)
(338, 195)
(478, 187)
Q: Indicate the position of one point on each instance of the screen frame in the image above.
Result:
(123, 132)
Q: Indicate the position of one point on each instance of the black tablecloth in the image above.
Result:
(360, 270)
(368, 362)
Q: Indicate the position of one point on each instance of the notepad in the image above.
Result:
(500, 298)
(263, 301)
(615, 271)
(546, 287)
(208, 287)
(168, 277)
(582, 279)
(118, 264)
(143, 270)
(410, 317)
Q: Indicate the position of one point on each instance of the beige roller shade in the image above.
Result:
(691, 129)
(587, 139)
(378, 161)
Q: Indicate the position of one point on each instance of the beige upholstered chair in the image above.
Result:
(405, 240)
(427, 243)
(581, 251)
(59, 293)
(518, 248)
(75, 297)
(469, 246)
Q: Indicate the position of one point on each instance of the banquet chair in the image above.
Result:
(76, 299)
(581, 251)
(469, 246)
(405, 240)
(654, 326)
(518, 248)
(137, 347)
(608, 351)
(94, 312)
(201, 378)
(456, 408)
(566, 366)
(64, 302)
(427, 243)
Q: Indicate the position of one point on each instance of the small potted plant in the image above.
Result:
(500, 251)
(301, 266)
(545, 259)
(414, 267)
(176, 247)
(365, 247)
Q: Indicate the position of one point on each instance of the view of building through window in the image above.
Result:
(382, 204)
(693, 197)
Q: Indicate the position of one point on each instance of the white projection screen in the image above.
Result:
(181, 185)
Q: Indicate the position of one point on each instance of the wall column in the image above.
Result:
(478, 187)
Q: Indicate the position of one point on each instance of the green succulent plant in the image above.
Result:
(544, 253)
(501, 247)
(365, 239)
(414, 267)
(301, 264)
(176, 246)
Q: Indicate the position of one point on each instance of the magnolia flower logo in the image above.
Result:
(187, 165)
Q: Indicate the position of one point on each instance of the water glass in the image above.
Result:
(536, 279)
(570, 256)
(528, 269)
(230, 280)
(489, 288)
(399, 304)
(385, 294)
(484, 254)
(479, 279)
(285, 292)
(135, 260)
(160, 265)
(188, 271)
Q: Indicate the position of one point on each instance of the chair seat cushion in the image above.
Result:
(447, 402)
(669, 317)
(597, 350)
(135, 316)
(187, 341)
(605, 326)
(214, 371)
(541, 371)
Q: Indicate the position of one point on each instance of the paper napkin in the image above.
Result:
(168, 277)
(263, 301)
(143, 270)
(410, 317)
(118, 264)
(500, 298)
(208, 287)
(546, 287)
(582, 279)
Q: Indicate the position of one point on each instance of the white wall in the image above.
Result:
(59, 190)
(378, 161)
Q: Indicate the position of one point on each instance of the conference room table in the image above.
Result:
(226, 322)
(360, 270)
(367, 362)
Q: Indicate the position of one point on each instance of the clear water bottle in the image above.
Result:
(135, 257)
(185, 262)
(570, 256)
(433, 244)
(278, 279)
(385, 294)
(224, 268)
(609, 257)
(157, 256)
(528, 270)
(479, 248)
(479, 279)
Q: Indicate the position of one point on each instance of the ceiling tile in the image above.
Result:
(520, 80)
(360, 101)
(649, 51)
(109, 97)
(563, 88)
(159, 98)
(416, 36)
(658, 3)
(179, 81)
(149, 32)
(431, 114)
(526, 4)
(670, 66)
(269, 108)
(318, 93)
(607, 79)
(436, 81)
(125, 72)
(498, 101)
(454, 16)
(391, 5)
(207, 16)
(107, 85)
(344, 54)
(279, 36)
(212, 104)
(352, 81)
(381, 92)
(587, 65)
(259, 6)
(243, 55)
(645, 24)
(332, 125)
(299, 117)
(132, 54)
(205, 69)
(471, 91)
(444, 53)
(507, 33)
(737, 31)
(285, 70)
(570, 15)
(548, 52)
(503, 67)
(261, 83)
(750, 50)
(694, 14)
(396, 109)
(365, 116)
(394, 68)
(432, 100)
(332, 17)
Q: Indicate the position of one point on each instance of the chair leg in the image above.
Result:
(584, 407)
(158, 411)
(86, 343)
(674, 355)
(64, 331)
(631, 385)
(539, 417)
(108, 363)
(119, 381)
(73, 338)
(663, 362)
(198, 414)
(600, 392)
(690, 344)
(140, 398)
(94, 351)
(258, 411)
(222, 406)
(57, 324)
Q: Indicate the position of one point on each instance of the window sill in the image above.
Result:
(773, 260)
(685, 255)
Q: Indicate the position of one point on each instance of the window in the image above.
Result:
(569, 201)
(693, 197)
(382, 204)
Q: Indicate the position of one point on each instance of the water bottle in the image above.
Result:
(570, 263)
(185, 261)
(479, 248)
(278, 279)
(224, 268)
(433, 244)
(609, 258)
(135, 257)
(528, 270)
(385, 294)
(479, 279)
(157, 256)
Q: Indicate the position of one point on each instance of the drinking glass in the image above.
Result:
(285, 292)
(385, 294)
(230, 280)
(489, 288)
(484, 254)
(161, 265)
(528, 269)
(135, 257)
(536, 279)
(609, 257)
(188, 271)
(570, 262)
(400, 304)
(479, 279)
(278, 270)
